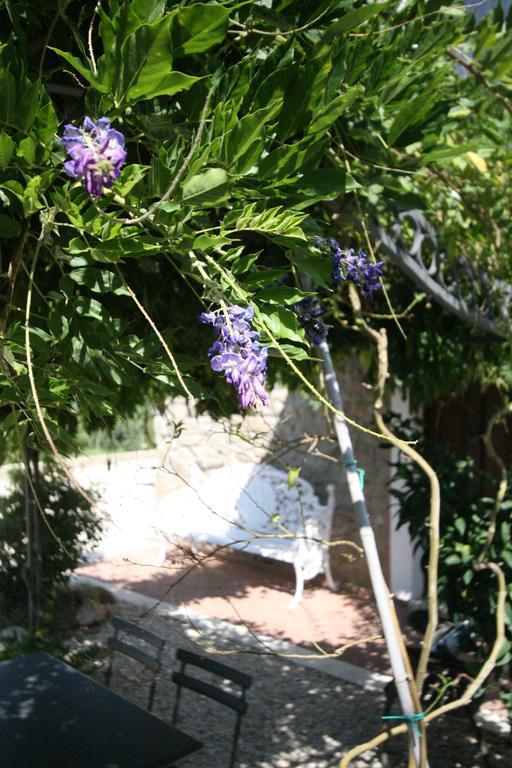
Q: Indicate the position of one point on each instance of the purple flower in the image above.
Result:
(97, 154)
(347, 265)
(308, 313)
(238, 354)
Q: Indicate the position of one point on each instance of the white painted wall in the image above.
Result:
(406, 576)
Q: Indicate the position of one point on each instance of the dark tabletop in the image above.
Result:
(52, 716)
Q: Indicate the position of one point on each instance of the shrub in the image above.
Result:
(467, 506)
(69, 525)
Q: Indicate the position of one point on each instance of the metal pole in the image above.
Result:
(382, 595)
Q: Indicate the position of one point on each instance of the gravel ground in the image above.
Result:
(297, 716)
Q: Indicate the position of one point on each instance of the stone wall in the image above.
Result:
(293, 432)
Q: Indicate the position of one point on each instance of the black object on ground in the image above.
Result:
(123, 629)
(52, 716)
(234, 700)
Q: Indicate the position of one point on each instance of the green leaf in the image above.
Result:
(328, 114)
(99, 281)
(197, 28)
(296, 353)
(281, 294)
(46, 123)
(317, 268)
(283, 324)
(243, 135)
(244, 263)
(8, 227)
(141, 11)
(81, 68)
(58, 324)
(31, 202)
(8, 102)
(452, 11)
(130, 176)
(92, 308)
(207, 242)
(460, 525)
(447, 152)
(27, 149)
(28, 106)
(412, 113)
(272, 221)
(351, 20)
(115, 249)
(15, 187)
(152, 83)
(323, 184)
(143, 61)
(287, 160)
(258, 278)
(293, 476)
(295, 113)
(6, 150)
(207, 187)
(467, 577)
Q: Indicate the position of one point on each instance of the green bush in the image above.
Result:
(467, 505)
(69, 526)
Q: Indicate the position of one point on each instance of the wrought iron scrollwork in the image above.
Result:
(459, 287)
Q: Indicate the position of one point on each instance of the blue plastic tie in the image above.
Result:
(359, 470)
(411, 719)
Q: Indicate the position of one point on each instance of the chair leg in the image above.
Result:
(151, 698)
(299, 585)
(176, 705)
(390, 693)
(108, 673)
(235, 741)
(329, 579)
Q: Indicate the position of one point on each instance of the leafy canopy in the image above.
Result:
(316, 117)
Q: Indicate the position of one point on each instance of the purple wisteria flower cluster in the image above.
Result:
(347, 265)
(97, 154)
(238, 353)
(308, 313)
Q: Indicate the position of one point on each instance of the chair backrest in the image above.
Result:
(234, 701)
(118, 644)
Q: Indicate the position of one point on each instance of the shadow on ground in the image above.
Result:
(297, 716)
(244, 589)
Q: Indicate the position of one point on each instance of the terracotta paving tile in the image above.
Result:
(244, 589)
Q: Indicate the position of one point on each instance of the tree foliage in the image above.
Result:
(314, 120)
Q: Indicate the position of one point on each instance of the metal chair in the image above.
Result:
(235, 702)
(152, 662)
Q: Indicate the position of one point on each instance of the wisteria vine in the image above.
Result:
(238, 353)
(347, 265)
(97, 154)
